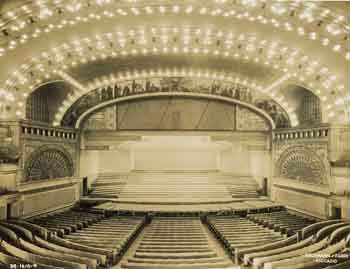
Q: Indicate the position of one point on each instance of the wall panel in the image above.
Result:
(309, 203)
(47, 201)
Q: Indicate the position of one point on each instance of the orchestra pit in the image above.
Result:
(168, 134)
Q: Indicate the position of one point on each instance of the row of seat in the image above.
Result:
(27, 244)
(237, 232)
(282, 221)
(67, 221)
(112, 235)
(252, 244)
(91, 240)
(108, 186)
(246, 191)
(174, 242)
(295, 253)
(88, 239)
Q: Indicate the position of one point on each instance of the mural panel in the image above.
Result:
(176, 113)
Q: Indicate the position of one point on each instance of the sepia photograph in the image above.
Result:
(174, 134)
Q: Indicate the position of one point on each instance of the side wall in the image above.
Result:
(40, 138)
(302, 174)
(312, 170)
(248, 154)
(43, 197)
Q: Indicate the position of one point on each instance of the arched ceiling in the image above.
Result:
(267, 44)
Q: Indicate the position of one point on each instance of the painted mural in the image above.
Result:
(177, 84)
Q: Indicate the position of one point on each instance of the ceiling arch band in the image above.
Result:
(112, 45)
(330, 30)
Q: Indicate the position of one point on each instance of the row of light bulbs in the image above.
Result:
(274, 95)
(169, 72)
(308, 10)
(313, 35)
(183, 72)
(77, 49)
(273, 50)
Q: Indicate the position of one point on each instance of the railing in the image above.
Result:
(30, 129)
(301, 133)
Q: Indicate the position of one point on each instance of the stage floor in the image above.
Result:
(233, 206)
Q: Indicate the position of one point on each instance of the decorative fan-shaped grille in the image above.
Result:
(49, 163)
(301, 164)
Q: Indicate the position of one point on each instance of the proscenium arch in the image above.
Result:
(90, 111)
(46, 83)
(175, 72)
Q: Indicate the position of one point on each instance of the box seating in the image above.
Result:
(257, 258)
(16, 247)
(36, 229)
(67, 222)
(247, 254)
(282, 221)
(289, 244)
(312, 262)
(97, 240)
(88, 235)
(344, 265)
(294, 254)
(175, 243)
(238, 233)
(314, 228)
(326, 231)
(124, 229)
(30, 243)
(340, 234)
(6, 261)
(343, 261)
(275, 261)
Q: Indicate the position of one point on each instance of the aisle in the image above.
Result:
(216, 245)
(176, 242)
(131, 249)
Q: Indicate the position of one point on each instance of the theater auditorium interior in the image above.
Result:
(165, 134)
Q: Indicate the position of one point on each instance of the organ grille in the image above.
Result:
(37, 107)
(301, 164)
(47, 164)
